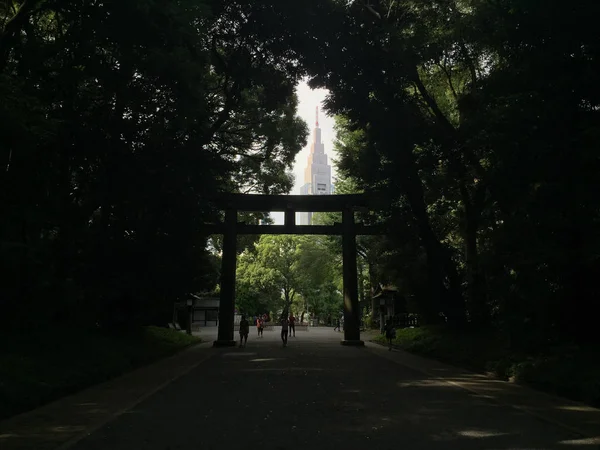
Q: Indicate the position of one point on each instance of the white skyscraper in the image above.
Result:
(317, 174)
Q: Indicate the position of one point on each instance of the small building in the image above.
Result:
(205, 310)
(389, 301)
(393, 306)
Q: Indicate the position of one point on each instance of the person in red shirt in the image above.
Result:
(292, 321)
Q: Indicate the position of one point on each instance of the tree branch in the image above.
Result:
(392, 3)
(372, 11)
(13, 27)
(431, 103)
(449, 78)
(469, 62)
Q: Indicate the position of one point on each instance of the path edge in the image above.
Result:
(375, 348)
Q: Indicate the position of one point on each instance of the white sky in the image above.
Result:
(309, 99)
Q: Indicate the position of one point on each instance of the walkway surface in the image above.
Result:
(313, 394)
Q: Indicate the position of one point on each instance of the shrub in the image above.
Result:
(40, 367)
(567, 371)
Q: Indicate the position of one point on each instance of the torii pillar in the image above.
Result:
(351, 305)
(227, 297)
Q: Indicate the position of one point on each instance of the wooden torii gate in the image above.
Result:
(290, 205)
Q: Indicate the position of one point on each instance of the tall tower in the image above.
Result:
(317, 174)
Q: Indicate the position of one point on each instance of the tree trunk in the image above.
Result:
(13, 28)
(444, 279)
(67, 217)
(287, 302)
(361, 284)
(476, 298)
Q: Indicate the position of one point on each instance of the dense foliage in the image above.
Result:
(567, 372)
(283, 274)
(475, 122)
(118, 121)
(38, 367)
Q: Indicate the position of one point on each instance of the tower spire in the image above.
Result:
(317, 117)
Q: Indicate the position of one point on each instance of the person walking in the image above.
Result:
(244, 331)
(390, 333)
(284, 330)
(259, 326)
(337, 326)
(292, 321)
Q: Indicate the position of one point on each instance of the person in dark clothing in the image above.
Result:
(284, 330)
(244, 331)
(337, 325)
(390, 333)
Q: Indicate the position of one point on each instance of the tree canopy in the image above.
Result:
(284, 273)
(119, 121)
(475, 122)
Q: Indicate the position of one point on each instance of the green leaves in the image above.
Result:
(289, 271)
(118, 135)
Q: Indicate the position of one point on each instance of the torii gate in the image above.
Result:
(290, 205)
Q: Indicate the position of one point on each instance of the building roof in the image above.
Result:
(385, 290)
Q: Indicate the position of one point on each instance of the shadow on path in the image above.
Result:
(318, 394)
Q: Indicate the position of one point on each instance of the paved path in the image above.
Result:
(317, 394)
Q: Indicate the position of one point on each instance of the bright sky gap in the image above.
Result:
(308, 99)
